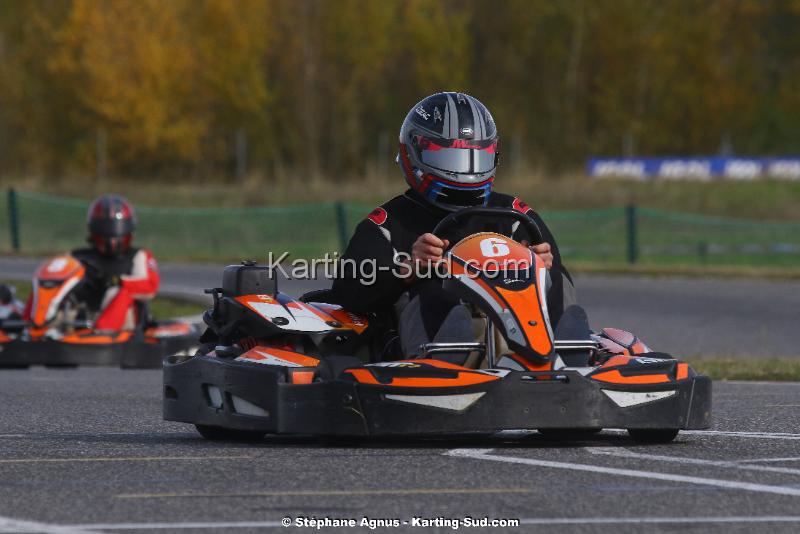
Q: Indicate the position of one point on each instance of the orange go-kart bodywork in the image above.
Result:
(274, 364)
(53, 337)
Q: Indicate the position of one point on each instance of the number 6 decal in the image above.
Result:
(493, 247)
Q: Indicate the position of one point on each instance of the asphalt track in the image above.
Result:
(682, 316)
(86, 451)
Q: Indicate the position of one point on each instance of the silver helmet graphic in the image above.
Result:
(448, 150)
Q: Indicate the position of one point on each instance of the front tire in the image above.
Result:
(218, 433)
(653, 435)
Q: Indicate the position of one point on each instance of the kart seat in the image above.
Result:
(574, 326)
(249, 278)
(317, 295)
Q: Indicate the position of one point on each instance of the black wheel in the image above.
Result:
(653, 435)
(218, 433)
(567, 434)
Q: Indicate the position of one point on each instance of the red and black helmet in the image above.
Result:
(449, 150)
(111, 222)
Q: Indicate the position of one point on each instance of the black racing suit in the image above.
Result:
(394, 227)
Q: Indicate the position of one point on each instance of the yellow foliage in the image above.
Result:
(321, 85)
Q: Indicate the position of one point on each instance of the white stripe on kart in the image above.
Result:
(483, 454)
(624, 453)
(457, 403)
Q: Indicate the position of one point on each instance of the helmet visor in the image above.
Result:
(458, 156)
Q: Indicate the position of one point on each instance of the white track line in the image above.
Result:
(189, 525)
(624, 453)
(761, 383)
(483, 454)
(754, 435)
(17, 526)
(155, 433)
(724, 433)
(642, 520)
(753, 460)
(524, 521)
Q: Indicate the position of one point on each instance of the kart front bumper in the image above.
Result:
(211, 391)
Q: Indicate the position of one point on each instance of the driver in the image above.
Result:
(117, 274)
(10, 306)
(448, 153)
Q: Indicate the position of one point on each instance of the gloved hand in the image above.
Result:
(543, 250)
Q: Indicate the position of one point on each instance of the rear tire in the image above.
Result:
(218, 433)
(569, 434)
(653, 435)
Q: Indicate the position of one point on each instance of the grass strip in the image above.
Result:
(756, 369)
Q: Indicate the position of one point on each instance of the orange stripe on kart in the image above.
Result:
(349, 320)
(526, 307)
(97, 339)
(435, 363)
(616, 378)
(531, 366)
(617, 360)
(683, 371)
(302, 377)
(464, 379)
(44, 296)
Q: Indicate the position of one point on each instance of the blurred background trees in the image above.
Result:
(221, 88)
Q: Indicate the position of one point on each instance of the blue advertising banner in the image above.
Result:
(697, 168)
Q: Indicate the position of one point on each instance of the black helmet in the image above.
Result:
(111, 222)
(448, 150)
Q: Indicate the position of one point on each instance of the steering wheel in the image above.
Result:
(458, 218)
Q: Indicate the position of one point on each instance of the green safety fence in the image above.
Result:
(40, 224)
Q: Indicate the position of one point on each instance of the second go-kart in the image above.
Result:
(274, 364)
(60, 331)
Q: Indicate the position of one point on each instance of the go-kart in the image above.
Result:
(60, 331)
(274, 364)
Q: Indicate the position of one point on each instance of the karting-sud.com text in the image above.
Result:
(368, 271)
(373, 523)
